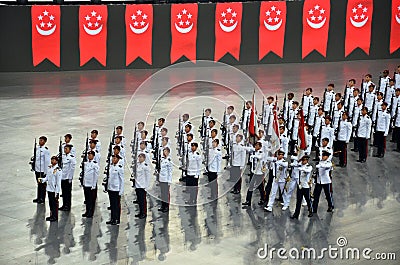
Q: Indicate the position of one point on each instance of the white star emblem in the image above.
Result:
(49, 25)
(310, 12)
(142, 23)
(365, 10)
(98, 18)
(179, 16)
(144, 16)
(360, 5)
(93, 13)
(181, 23)
(319, 18)
(322, 11)
(276, 19)
(223, 14)
(316, 7)
(139, 12)
(268, 13)
(187, 23)
(40, 17)
(51, 17)
(87, 18)
(398, 8)
(234, 14)
(356, 17)
(231, 21)
(229, 10)
(184, 11)
(313, 18)
(89, 24)
(96, 24)
(133, 17)
(45, 13)
(189, 16)
(135, 23)
(225, 21)
(273, 8)
(269, 19)
(362, 16)
(354, 10)
(278, 12)
(42, 24)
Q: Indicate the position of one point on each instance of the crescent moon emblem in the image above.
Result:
(398, 19)
(316, 25)
(228, 29)
(358, 24)
(139, 31)
(273, 28)
(183, 30)
(46, 32)
(93, 32)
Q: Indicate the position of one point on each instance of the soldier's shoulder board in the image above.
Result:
(72, 156)
(94, 162)
(46, 147)
(197, 153)
(145, 164)
(120, 165)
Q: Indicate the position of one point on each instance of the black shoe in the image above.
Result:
(261, 202)
(376, 155)
(142, 216)
(84, 215)
(310, 214)
(233, 191)
(40, 202)
(114, 223)
(109, 222)
(360, 160)
(137, 215)
(53, 220)
(89, 216)
(329, 210)
(236, 192)
(161, 209)
(48, 218)
(246, 203)
(109, 208)
(35, 200)
(165, 210)
(118, 222)
(136, 202)
(294, 217)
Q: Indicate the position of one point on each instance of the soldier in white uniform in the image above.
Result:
(291, 183)
(258, 168)
(327, 131)
(390, 93)
(93, 147)
(279, 168)
(238, 162)
(307, 101)
(325, 147)
(165, 179)
(90, 177)
(397, 77)
(93, 136)
(42, 161)
(365, 85)
(284, 141)
(246, 118)
(355, 122)
(68, 170)
(324, 181)
(343, 138)
(194, 163)
(303, 188)
(363, 134)
(293, 126)
(319, 120)
(384, 81)
(117, 151)
(115, 189)
(370, 97)
(143, 138)
(53, 187)
(396, 125)
(349, 92)
(329, 97)
(67, 139)
(268, 112)
(142, 183)
(118, 142)
(382, 129)
(118, 133)
(214, 167)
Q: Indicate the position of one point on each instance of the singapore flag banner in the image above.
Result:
(358, 25)
(183, 31)
(93, 33)
(316, 17)
(272, 28)
(45, 34)
(228, 29)
(139, 32)
(395, 28)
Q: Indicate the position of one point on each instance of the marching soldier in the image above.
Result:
(396, 124)
(291, 183)
(349, 92)
(41, 163)
(324, 181)
(214, 166)
(142, 183)
(279, 167)
(53, 187)
(246, 118)
(382, 129)
(370, 97)
(238, 161)
(293, 126)
(325, 148)
(67, 139)
(115, 189)
(258, 169)
(68, 169)
(93, 136)
(319, 120)
(90, 177)
(343, 137)
(193, 172)
(390, 93)
(144, 150)
(303, 188)
(284, 141)
(363, 134)
(140, 129)
(165, 179)
(355, 122)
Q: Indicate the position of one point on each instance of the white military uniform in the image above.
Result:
(98, 144)
(284, 147)
(305, 174)
(280, 167)
(214, 160)
(364, 127)
(194, 164)
(166, 170)
(73, 149)
(238, 155)
(327, 132)
(69, 163)
(329, 97)
(307, 101)
(383, 122)
(384, 82)
(91, 174)
(142, 179)
(42, 159)
(116, 178)
(344, 132)
(53, 179)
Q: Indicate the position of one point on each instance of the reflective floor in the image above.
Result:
(366, 196)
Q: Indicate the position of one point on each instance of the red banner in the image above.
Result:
(301, 132)
(183, 31)
(46, 34)
(395, 29)
(252, 121)
(316, 17)
(139, 32)
(228, 24)
(93, 33)
(272, 28)
(358, 25)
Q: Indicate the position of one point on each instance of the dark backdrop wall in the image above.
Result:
(16, 48)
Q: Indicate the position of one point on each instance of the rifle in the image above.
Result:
(180, 136)
(324, 99)
(154, 137)
(362, 88)
(284, 106)
(292, 128)
(84, 159)
(384, 94)
(263, 111)
(393, 120)
(357, 125)
(113, 136)
(370, 113)
(224, 129)
(33, 158)
(268, 123)
(242, 118)
(308, 113)
(331, 107)
(134, 149)
(60, 154)
(107, 168)
(348, 104)
(337, 130)
(315, 120)
(319, 134)
(206, 151)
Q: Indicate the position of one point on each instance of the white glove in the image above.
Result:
(70, 181)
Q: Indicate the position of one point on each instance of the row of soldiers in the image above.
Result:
(330, 124)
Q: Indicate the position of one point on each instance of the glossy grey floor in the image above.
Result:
(52, 104)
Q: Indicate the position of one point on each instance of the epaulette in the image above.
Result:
(94, 161)
(197, 153)
(96, 151)
(120, 165)
(218, 149)
(145, 164)
(169, 159)
(72, 156)
(46, 147)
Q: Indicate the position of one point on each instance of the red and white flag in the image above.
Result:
(183, 31)
(46, 34)
(316, 17)
(228, 25)
(395, 28)
(358, 25)
(272, 28)
(139, 32)
(274, 140)
(302, 132)
(93, 33)
(253, 118)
